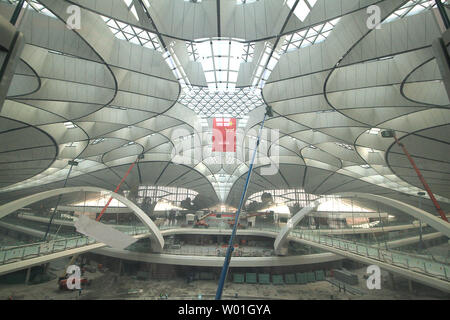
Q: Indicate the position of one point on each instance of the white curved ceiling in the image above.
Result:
(88, 95)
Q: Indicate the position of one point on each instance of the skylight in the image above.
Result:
(222, 183)
(411, 8)
(177, 69)
(302, 9)
(212, 103)
(309, 36)
(248, 51)
(265, 66)
(35, 5)
(365, 166)
(220, 60)
(132, 8)
(192, 51)
(133, 34)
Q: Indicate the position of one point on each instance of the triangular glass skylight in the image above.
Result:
(133, 34)
(411, 8)
(308, 37)
(208, 104)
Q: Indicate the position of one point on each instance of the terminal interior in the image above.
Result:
(141, 140)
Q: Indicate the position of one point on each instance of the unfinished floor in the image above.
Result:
(108, 285)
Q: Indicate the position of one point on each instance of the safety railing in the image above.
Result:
(376, 252)
(397, 258)
(29, 251)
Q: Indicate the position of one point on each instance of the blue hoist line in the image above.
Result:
(230, 249)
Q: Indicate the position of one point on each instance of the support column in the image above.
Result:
(45, 267)
(391, 276)
(27, 277)
(120, 267)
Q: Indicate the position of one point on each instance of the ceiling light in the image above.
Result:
(373, 131)
(70, 125)
(345, 146)
(97, 141)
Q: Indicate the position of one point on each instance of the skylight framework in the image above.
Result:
(133, 34)
(209, 104)
(132, 8)
(222, 183)
(220, 59)
(173, 195)
(411, 8)
(302, 9)
(309, 36)
(192, 51)
(34, 5)
(288, 197)
(177, 69)
(249, 52)
(265, 66)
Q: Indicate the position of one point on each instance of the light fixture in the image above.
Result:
(345, 146)
(70, 125)
(97, 141)
(373, 131)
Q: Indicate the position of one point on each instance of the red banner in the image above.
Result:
(224, 135)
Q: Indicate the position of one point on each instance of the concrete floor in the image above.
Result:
(106, 286)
